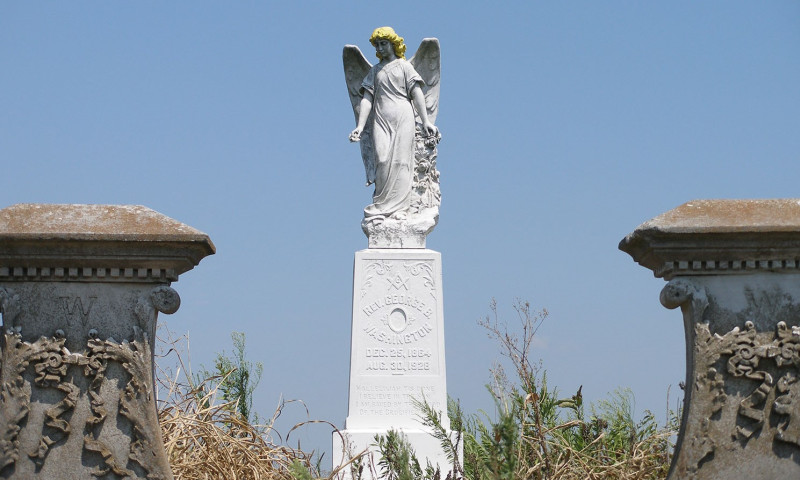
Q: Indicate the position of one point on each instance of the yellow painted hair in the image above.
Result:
(389, 34)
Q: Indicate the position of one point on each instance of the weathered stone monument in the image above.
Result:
(733, 268)
(397, 348)
(80, 290)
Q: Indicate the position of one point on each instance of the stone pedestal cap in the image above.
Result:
(96, 242)
(714, 237)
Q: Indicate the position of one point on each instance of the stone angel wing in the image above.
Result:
(356, 68)
(427, 62)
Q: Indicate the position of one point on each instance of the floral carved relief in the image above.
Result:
(425, 192)
(14, 396)
(749, 357)
(34, 370)
(746, 367)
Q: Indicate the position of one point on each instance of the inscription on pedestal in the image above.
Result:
(397, 323)
(392, 400)
(397, 352)
(396, 319)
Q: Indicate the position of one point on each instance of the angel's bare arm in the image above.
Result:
(418, 99)
(365, 107)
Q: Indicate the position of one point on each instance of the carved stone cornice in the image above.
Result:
(87, 274)
(674, 268)
(720, 237)
(107, 243)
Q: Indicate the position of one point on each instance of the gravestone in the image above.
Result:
(80, 290)
(397, 345)
(733, 267)
(396, 352)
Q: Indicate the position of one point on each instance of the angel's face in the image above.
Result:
(385, 49)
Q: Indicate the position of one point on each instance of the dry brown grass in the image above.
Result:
(207, 439)
(646, 460)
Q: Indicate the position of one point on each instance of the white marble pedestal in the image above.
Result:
(396, 353)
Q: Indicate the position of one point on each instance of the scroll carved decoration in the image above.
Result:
(163, 299)
(422, 269)
(787, 403)
(745, 354)
(378, 267)
(386, 269)
(50, 360)
(682, 292)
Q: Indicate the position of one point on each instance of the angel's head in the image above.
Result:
(387, 33)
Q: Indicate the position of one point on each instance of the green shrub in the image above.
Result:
(535, 434)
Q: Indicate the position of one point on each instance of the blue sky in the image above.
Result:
(565, 125)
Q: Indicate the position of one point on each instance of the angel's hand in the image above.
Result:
(430, 129)
(355, 135)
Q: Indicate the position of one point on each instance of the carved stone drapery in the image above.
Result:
(734, 270)
(422, 216)
(79, 312)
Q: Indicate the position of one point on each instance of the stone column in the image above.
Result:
(733, 267)
(397, 352)
(80, 289)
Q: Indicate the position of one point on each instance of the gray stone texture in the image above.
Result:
(733, 268)
(80, 290)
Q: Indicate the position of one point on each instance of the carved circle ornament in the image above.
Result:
(398, 321)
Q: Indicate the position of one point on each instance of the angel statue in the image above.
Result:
(395, 103)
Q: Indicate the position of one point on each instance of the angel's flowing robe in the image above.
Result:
(393, 135)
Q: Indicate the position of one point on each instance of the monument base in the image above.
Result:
(391, 232)
(361, 440)
(396, 353)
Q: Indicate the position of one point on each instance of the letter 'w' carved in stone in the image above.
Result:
(77, 305)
